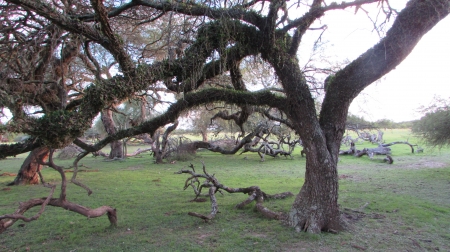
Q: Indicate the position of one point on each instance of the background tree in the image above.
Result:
(218, 37)
(434, 126)
(385, 123)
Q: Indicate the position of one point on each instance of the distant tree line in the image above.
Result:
(381, 124)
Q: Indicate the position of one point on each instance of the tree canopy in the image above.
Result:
(54, 84)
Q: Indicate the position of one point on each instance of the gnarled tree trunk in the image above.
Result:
(28, 173)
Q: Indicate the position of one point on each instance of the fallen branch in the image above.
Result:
(8, 220)
(139, 151)
(211, 182)
(400, 142)
(380, 150)
(8, 174)
(214, 207)
(69, 171)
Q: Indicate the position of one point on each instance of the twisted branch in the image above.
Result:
(211, 182)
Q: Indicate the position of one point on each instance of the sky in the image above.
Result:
(398, 95)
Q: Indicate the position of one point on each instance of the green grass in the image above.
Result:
(410, 198)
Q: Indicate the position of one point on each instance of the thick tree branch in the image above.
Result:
(410, 25)
(115, 46)
(193, 9)
(191, 100)
(8, 150)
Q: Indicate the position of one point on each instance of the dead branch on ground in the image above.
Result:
(402, 142)
(211, 182)
(8, 220)
(382, 149)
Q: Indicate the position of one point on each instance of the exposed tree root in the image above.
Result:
(254, 192)
(8, 220)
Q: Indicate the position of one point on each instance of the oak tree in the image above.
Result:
(213, 39)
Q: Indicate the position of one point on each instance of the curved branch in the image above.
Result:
(267, 114)
(7, 150)
(410, 25)
(191, 100)
(115, 46)
(9, 219)
(113, 13)
(193, 9)
(75, 172)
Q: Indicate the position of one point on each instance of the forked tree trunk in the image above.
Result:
(110, 127)
(28, 173)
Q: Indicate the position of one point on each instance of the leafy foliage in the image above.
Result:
(434, 126)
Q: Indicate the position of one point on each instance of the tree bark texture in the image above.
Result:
(28, 173)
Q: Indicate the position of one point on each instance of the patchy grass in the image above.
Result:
(406, 205)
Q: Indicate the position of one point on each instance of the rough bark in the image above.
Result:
(315, 207)
(28, 173)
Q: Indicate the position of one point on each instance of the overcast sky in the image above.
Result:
(398, 95)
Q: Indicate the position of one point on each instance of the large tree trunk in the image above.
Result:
(28, 173)
(316, 209)
(316, 206)
(110, 127)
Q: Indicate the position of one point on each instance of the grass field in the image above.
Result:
(406, 205)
